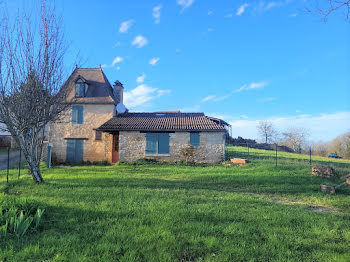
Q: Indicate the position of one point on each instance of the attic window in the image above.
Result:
(79, 89)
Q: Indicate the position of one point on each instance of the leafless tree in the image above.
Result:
(295, 138)
(267, 131)
(330, 6)
(320, 148)
(341, 145)
(31, 74)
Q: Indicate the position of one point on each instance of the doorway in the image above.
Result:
(115, 148)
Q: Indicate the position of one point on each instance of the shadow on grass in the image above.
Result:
(264, 184)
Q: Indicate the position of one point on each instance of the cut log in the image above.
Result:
(347, 181)
(239, 160)
(327, 189)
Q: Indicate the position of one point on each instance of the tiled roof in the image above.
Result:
(161, 122)
(99, 89)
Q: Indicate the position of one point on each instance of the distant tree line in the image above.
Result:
(339, 145)
(298, 140)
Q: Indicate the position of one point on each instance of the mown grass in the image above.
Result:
(165, 212)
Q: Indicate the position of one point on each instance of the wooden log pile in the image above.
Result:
(323, 171)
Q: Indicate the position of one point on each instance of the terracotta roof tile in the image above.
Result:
(161, 122)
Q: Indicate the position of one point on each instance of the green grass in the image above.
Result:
(164, 212)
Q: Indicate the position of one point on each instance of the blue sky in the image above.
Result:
(243, 61)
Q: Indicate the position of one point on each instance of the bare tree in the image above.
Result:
(267, 131)
(341, 145)
(330, 6)
(320, 148)
(31, 73)
(295, 138)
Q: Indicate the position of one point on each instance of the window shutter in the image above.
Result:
(80, 114)
(79, 151)
(163, 143)
(77, 87)
(74, 114)
(194, 139)
(81, 91)
(151, 143)
(70, 154)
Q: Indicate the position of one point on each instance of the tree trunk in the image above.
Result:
(35, 172)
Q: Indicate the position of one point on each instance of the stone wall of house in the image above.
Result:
(211, 148)
(94, 115)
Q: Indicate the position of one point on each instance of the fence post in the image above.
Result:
(8, 164)
(19, 163)
(48, 158)
(310, 156)
(276, 154)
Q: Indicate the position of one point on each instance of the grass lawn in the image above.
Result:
(164, 212)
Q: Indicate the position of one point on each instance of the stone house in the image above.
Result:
(93, 130)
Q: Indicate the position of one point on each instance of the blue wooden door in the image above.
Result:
(75, 151)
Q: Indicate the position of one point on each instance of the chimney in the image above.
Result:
(118, 91)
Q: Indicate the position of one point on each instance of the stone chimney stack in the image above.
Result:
(118, 91)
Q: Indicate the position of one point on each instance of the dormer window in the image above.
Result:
(79, 89)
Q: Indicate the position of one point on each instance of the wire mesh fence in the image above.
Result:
(278, 157)
(11, 161)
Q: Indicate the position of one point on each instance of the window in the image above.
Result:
(98, 135)
(157, 143)
(74, 153)
(194, 139)
(77, 114)
(79, 89)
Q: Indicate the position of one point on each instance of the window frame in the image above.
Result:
(194, 136)
(81, 89)
(77, 114)
(157, 140)
(98, 135)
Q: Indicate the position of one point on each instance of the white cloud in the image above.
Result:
(184, 4)
(252, 85)
(141, 95)
(271, 5)
(156, 13)
(117, 60)
(208, 98)
(293, 15)
(139, 41)
(153, 61)
(124, 26)
(318, 125)
(268, 99)
(210, 12)
(118, 68)
(141, 78)
(241, 9)
(228, 16)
